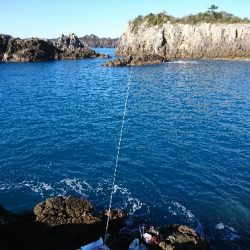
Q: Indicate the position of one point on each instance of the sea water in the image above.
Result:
(185, 152)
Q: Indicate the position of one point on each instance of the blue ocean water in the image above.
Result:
(185, 154)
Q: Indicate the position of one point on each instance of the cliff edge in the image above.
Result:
(206, 35)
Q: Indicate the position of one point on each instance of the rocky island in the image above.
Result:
(71, 222)
(205, 35)
(36, 49)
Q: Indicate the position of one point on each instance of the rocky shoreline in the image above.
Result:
(71, 222)
(36, 49)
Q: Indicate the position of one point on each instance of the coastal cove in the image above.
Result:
(185, 152)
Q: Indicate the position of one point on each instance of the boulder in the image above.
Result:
(134, 60)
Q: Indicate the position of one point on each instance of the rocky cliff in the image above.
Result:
(184, 40)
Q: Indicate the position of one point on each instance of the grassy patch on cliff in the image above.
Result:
(203, 17)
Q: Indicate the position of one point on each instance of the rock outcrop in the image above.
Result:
(93, 41)
(71, 47)
(136, 60)
(35, 49)
(28, 50)
(177, 40)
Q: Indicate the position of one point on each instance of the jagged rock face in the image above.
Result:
(65, 210)
(93, 41)
(27, 50)
(68, 42)
(187, 41)
(135, 60)
(72, 48)
(35, 49)
(73, 210)
(4, 39)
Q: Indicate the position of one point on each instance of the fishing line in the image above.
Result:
(118, 154)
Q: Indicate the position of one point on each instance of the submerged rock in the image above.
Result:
(134, 60)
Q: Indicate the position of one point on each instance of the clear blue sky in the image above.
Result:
(51, 18)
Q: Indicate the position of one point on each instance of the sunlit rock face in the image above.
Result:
(203, 40)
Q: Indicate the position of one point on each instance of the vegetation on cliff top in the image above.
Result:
(210, 16)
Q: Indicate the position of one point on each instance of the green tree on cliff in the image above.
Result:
(212, 9)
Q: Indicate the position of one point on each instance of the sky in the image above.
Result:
(104, 18)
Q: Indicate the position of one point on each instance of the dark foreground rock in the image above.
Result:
(136, 60)
(71, 222)
(35, 49)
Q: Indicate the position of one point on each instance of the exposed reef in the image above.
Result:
(135, 60)
(35, 49)
(71, 222)
(205, 35)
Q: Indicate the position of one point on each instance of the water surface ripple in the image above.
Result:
(185, 154)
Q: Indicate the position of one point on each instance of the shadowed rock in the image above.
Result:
(28, 50)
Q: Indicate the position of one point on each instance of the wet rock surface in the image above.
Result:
(136, 60)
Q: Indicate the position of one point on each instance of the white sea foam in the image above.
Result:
(227, 232)
(184, 211)
(77, 185)
(131, 203)
(179, 210)
(183, 62)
